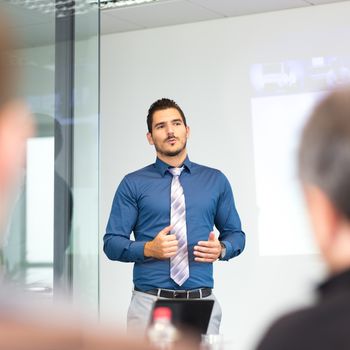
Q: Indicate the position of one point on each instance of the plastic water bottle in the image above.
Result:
(162, 333)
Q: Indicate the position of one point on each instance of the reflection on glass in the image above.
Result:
(53, 234)
(39, 213)
(39, 196)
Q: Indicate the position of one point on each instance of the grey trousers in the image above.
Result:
(141, 305)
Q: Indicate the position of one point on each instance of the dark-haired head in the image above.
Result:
(163, 103)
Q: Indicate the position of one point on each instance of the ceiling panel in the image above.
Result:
(38, 28)
(37, 35)
(237, 8)
(164, 13)
(112, 24)
(319, 2)
(24, 17)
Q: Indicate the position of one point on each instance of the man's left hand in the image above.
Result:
(207, 251)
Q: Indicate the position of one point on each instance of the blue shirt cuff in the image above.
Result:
(229, 249)
(137, 251)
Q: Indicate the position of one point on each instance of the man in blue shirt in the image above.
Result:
(172, 218)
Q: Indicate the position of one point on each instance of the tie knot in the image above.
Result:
(176, 171)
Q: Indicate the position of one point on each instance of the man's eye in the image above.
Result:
(160, 126)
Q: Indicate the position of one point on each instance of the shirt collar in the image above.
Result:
(162, 167)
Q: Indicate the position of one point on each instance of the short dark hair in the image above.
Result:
(7, 69)
(324, 152)
(163, 103)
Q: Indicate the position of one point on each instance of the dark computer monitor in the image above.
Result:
(192, 315)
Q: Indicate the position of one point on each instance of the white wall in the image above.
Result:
(205, 68)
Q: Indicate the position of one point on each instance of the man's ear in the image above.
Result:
(150, 138)
(325, 218)
(188, 131)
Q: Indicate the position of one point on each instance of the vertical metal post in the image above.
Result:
(64, 118)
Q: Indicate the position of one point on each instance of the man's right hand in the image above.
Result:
(163, 246)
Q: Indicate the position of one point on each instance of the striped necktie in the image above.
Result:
(179, 269)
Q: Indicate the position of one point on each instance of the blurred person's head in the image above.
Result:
(324, 170)
(15, 121)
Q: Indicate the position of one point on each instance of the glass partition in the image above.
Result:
(52, 244)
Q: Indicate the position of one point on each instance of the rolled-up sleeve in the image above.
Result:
(117, 242)
(228, 222)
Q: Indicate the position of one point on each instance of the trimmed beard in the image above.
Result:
(171, 153)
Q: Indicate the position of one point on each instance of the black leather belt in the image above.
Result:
(179, 294)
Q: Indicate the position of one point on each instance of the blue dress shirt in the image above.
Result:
(142, 205)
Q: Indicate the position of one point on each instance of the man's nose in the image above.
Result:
(170, 130)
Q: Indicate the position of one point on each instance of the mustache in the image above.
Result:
(170, 138)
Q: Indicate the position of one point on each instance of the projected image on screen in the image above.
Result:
(284, 95)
